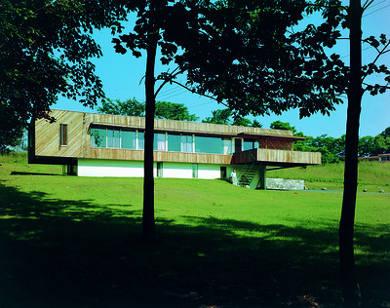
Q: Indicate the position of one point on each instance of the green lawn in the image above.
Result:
(373, 176)
(75, 242)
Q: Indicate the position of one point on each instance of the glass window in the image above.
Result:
(186, 143)
(159, 143)
(113, 138)
(250, 144)
(98, 137)
(209, 145)
(174, 143)
(63, 134)
(128, 139)
(141, 140)
(227, 146)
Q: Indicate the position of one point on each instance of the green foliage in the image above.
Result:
(133, 107)
(242, 121)
(226, 117)
(46, 50)
(332, 149)
(11, 129)
(219, 116)
(283, 126)
(386, 132)
(256, 123)
(173, 111)
(369, 146)
(130, 107)
(258, 66)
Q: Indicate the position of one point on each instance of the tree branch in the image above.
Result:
(380, 52)
(368, 42)
(173, 75)
(367, 4)
(326, 6)
(382, 86)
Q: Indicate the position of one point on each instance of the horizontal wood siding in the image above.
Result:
(181, 126)
(292, 157)
(277, 157)
(120, 154)
(276, 143)
(47, 140)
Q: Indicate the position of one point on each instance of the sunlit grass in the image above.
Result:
(230, 245)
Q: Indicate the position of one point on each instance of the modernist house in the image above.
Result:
(91, 144)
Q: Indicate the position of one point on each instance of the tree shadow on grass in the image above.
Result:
(31, 173)
(68, 253)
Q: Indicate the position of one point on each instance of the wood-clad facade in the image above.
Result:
(277, 157)
(92, 144)
(275, 146)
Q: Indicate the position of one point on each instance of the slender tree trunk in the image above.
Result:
(355, 92)
(150, 102)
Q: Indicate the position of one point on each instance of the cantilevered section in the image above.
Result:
(277, 157)
(70, 138)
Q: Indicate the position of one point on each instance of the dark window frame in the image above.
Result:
(63, 134)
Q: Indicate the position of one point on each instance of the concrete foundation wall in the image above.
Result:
(284, 184)
(177, 170)
(209, 172)
(112, 168)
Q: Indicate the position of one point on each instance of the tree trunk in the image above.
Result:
(355, 92)
(150, 106)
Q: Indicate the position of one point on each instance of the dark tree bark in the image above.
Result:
(355, 92)
(150, 107)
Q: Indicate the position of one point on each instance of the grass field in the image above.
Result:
(75, 242)
(373, 176)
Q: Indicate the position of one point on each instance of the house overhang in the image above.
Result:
(277, 157)
(256, 136)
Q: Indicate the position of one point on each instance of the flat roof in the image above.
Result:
(183, 126)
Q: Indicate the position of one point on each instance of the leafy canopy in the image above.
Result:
(132, 107)
(283, 126)
(46, 49)
(250, 58)
(226, 117)
(11, 129)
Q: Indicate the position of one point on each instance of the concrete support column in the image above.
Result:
(262, 170)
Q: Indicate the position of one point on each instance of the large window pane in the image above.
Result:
(141, 140)
(128, 139)
(186, 143)
(113, 138)
(227, 146)
(159, 143)
(250, 144)
(174, 143)
(98, 137)
(212, 145)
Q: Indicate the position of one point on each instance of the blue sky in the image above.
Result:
(121, 75)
